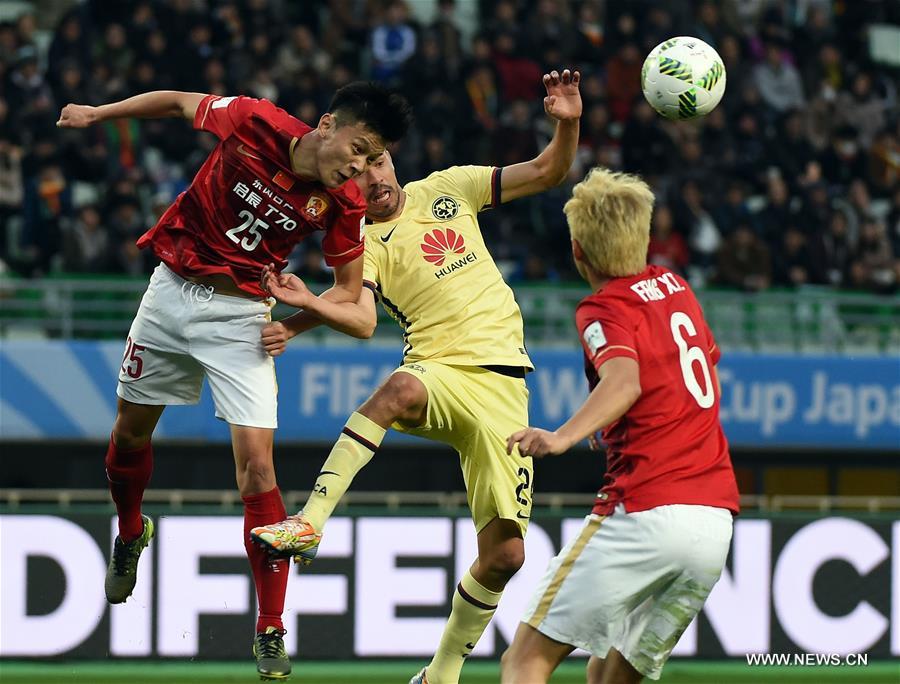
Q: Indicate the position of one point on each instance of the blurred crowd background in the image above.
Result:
(791, 182)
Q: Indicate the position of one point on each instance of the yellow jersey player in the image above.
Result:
(462, 381)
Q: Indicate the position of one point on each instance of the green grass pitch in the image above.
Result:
(678, 672)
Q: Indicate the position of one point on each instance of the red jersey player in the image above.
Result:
(270, 182)
(657, 538)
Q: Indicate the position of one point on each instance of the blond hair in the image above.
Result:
(609, 215)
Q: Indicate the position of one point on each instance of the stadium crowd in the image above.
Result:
(792, 180)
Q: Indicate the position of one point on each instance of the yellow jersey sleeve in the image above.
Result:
(479, 186)
(371, 270)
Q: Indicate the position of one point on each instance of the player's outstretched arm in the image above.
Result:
(158, 104)
(618, 389)
(333, 307)
(550, 167)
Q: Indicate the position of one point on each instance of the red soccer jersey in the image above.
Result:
(246, 207)
(669, 447)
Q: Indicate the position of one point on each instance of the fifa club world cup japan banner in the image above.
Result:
(380, 587)
(67, 390)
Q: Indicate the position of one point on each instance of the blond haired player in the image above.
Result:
(462, 378)
(655, 543)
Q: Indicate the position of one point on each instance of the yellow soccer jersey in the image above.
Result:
(435, 277)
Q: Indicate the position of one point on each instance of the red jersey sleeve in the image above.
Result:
(714, 353)
(605, 331)
(222, 115)
(344, 241)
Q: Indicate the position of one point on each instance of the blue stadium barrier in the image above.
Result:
(66, 389)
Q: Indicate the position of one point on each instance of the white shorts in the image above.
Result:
(633, 582)
(182, 333)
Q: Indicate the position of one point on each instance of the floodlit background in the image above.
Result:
(782, 208)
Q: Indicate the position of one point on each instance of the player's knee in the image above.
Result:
(594, 670)
(507, 664)
(255, 476)
(405, 394)
(506, 561)
(129, 437)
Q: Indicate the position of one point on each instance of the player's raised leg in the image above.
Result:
(129, 464)
(255, 474)
(402, 398)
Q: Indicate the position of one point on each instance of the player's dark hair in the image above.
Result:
(384, 111)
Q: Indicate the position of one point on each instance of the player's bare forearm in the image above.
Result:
(618, 389)
(300, 322)
(556, 159)
(357, 319)
(607, 403)
(551, 166)
(157, 104)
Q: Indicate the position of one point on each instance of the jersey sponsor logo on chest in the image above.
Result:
(441, 245)
(649, 291)
(270, 206)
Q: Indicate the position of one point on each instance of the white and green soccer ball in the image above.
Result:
(683, 78)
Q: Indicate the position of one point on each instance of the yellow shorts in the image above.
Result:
(474, 410)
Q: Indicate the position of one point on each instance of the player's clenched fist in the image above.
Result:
(275, 337)
(536, 442)
(77, 116)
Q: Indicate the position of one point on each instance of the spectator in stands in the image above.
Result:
(449, 36)
(70, 46)
(47, 206)
(11, 190)
(645, 146)
(301, 53)
(623, 80)
(893, 221)
(667, 248)
(589, 36)
(739, 70)
(732, 209)
(702, 233)
(844, 160)
(874, 267)
(9, 42)
(467, 95)
(520, 75)
(777, 80)
(862, 108)
(113, 49)
(778, 213)
(791, 150)
(393, 42)
(437, 156)
(85, 245)
(515, 139)
(835, 250)
(551, 23)
(884, 162)
(793, 265)
(744, 261)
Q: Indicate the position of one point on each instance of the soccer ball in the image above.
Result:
(683, 78)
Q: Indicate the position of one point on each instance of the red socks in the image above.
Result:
(270, 577)
(129, 473)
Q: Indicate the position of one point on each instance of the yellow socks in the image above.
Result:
(355, 447)
(473, 608)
